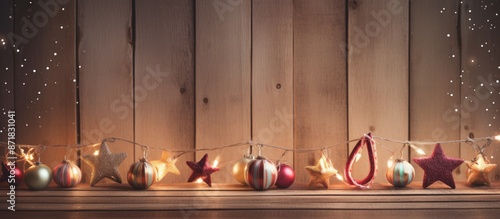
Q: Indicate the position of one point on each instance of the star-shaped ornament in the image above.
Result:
(438, 167)
(322, 172)
(104, 165)
(479, 171)
(165, 165)
(201, 170)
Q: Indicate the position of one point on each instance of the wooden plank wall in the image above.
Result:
(301, 74)
(480, 63)
(434, 119)
(320, 107)
(378, 75)
(105, 54)
(164, 73)
(45, 78)
(6, 67)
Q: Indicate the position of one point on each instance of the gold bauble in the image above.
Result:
(239, 169)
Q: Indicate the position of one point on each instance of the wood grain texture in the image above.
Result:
(45, 76)
(6, 68)
(320, 99)
(164, 75)
(106, 77)
(378, 76)
(222, 80)
(434, 76)
(480, 91)
(272, 76)
(230, 214)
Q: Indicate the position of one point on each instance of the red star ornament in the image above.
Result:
(438, 167)
(201, 170)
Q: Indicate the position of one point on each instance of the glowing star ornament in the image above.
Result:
(165, 165)
(479, 171)
(104, 165)
(438, 167)
(322, 172)
(201, 170)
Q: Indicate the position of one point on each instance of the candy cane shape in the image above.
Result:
(372, 154)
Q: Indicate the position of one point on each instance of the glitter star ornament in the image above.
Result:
(201, 170)
(438, 167)
(479, 171)
(104, 165)
(322, 172)
(165, 165)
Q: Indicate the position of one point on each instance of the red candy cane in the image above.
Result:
(372, 154)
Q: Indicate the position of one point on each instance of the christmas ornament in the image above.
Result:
(38, 176)
(67, 174)
(479, 171)
(322, 172)
(201, 170)
(438, 167)
(400, 174)
(286, 176)
(142, 174)
(7, 171)
(165, 165)
(372, 155)
(104, 165)
(261, 173)
(239, 168)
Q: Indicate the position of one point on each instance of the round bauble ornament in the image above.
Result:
(286, 176)
(67, 174)
(400, 174)
(11, 174)
(38, 176)
(261, 173)
(141, 175)
(239, 169)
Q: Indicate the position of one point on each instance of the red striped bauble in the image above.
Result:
(141, 175)
(67, 174)
(261, 174)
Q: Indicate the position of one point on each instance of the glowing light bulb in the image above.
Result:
(390, 163)
(96, 152)
(216, 162)
(339, 177)
(199, 180)
(497, 137)
(358, 156)
(420, 151)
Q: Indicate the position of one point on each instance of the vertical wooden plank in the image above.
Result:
(320, 99)
(45, 76)
(164, 75)
(434, 75)
(6, 68)
(480, 22)
(378, 75)
(222, 79)
(272, 76)
(106, 80)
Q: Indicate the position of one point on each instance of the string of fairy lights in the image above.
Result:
(144, 173)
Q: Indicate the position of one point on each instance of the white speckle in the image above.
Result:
(74, 80)
(26, 124)
(22, 65)
(39, 117)
(470, 11)
(17, 50)
(34, 71)
(472, 60)
(39, 92)
(456, 110)
(453, 56)
(482, 46)
(55, 54)
(24, 83)
(493, 103)
(62, 27)
(6, 83)
(451, 95)
(45, 85)
(487, 110)
(62, 9)
(47, 68)
(451, 81)
(489, 124)
(79, 66)
(448, 35)
(482, 84)
(55, 82)
(6, 69)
